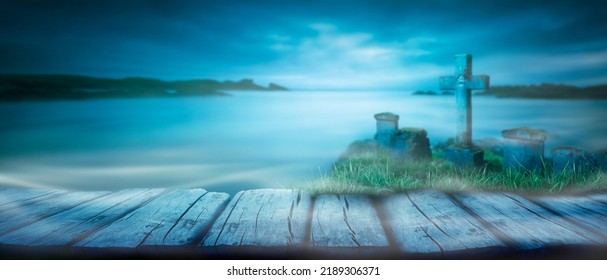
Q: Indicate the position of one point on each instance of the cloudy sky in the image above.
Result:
(308, 44)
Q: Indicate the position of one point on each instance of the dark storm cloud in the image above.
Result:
(328, 43)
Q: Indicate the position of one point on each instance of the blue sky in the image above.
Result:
(308, 44)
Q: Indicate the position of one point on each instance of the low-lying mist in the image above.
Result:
(249, 140)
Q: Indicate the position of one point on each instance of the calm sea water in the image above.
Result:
(250, 140)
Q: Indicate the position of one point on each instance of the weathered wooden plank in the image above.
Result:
(9, 195)
(583, 202)
(600, 197)
(72, 225)
(175, 218)
(275, 218)
(191, 225)
(429, 222)
(524, 224)
(22, 216)
(581, 210)
(556, 219)
(18, 197)
(346, 221)
(587, 203)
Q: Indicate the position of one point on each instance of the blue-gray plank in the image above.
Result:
(430, 222)
(72, 225)
(273, 218)
(19, 217)
(175, 218)
(581, 210)
(600, 197)
(17, 197)
(346, 221)
(525, 224)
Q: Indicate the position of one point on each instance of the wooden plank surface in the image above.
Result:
(600, 197)
(588, 204)
(429, 222)
(19, 197)
(524, 224)
(580, 210)
(175, 218)
(556, 219)
(198, 218)
(16, 218)
(346, 221)
(263, 218)
(11, 195)
(70, 226)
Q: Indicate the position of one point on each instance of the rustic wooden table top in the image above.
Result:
(279, 223)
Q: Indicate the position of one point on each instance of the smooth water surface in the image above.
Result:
(250, 140)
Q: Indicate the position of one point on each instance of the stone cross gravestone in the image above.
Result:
(463, 83)
(463, 153)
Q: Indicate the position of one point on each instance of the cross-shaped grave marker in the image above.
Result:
(463, 153)
(463, 83)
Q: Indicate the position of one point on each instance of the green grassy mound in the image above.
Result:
(373, 174)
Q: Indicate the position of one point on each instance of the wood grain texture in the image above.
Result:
(18, 197)
(600, 197)
(70, 226)
(200, 217)
(278, 222)
(262, 218)
(525, 224)
(346, 221)
(160, 221)
(18, 217)
(429, 222)
(580, 210)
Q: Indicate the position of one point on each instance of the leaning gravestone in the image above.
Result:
(523, 149)
(570, 159)
(463, 153)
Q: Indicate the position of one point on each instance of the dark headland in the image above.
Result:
(543, 91)
(73, 87)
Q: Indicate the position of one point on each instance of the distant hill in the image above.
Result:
(543, 91)
(58, 87)
(429, 92)
(549, 91)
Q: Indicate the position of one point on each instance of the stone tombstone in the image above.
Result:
(387, 126)
(465, 156)
(571, 159)
(411, 144)
(523, 149)
(463, 153)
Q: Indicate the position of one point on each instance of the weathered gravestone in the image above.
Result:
(387, 125)
(463, 153)
(411, 144)
(402, 144)
(523, 149)
(571, 159)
